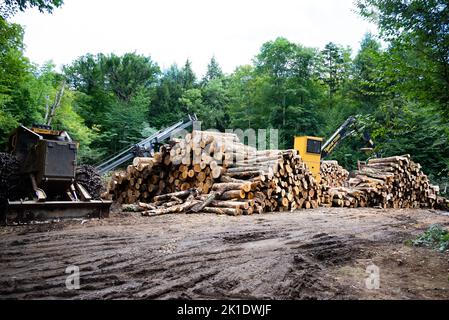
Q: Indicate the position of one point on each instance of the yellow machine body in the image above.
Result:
(310, 150)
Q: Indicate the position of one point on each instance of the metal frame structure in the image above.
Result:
(146, 146)
(348, 128)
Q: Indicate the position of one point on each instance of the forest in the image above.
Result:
(397, 84)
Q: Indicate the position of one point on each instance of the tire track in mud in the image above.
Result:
(307, 277)
(178, 274)
(278, 256)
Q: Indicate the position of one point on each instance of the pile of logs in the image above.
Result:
(442, 203)
(142, 180)
(271, 180)
(214, 172)
(332, 174)
(344, 197)
(394, 182)
(196, 161)
(237, 179)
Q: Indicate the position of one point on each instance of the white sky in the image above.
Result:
(170, 31)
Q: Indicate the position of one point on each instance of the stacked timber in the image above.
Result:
(142, 180)
(394, 182)
(332, 174)
(442, 203)
(344, 197)
(227, 176)
(271, 180)
(184, 164)
(195, 161)
(216, 173)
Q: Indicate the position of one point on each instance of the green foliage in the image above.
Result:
(215, 101)
(333, 67)
(404, 127)
(113, 96)
(25, 90)
(284, 71)
(368, 85)
(67, 119)
(166, 106)
(247, 95)
(15, 71)
(124, 124)
(213, 71)
(42, 5)
(399, 93)
(434, 237)
(419, 42)
(9, 7)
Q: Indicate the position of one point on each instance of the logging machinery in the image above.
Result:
(147, 146)
(47, 184)
(312, 149)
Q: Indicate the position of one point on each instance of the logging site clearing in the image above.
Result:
(308, 254)
(189, 150)
(207, 217)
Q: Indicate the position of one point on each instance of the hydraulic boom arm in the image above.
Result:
(349, 127)
(146, 146)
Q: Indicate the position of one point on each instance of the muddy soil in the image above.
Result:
(308, 254)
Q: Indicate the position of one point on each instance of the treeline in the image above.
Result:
(400, 93)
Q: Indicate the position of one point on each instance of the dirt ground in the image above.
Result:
(308, 254)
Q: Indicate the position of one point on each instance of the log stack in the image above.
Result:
(394, 182)
(332, 174)
(184, 164)
(214, 172)
(238, 179)
(195, 161)
(272, 180)
(142, 180)
(344, 197)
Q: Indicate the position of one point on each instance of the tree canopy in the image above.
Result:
(398, 90)
(10, 7)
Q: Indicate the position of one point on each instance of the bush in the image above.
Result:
(434, 237)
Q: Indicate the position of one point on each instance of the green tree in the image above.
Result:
(124, 123)
(405, 127)
(15, 71)
(215, 100)
(242, 106)
(125, 76)
(334, 67)
(188, 76)
(418, 34)
(165, 107)
(213, 71)
(369, 73)
(288, 68)
(114, 96)
(10, 7)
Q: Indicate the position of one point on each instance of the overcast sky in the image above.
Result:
(170, 31)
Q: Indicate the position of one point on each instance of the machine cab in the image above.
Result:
(310, 150)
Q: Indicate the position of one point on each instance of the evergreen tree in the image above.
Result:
(213, 71)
